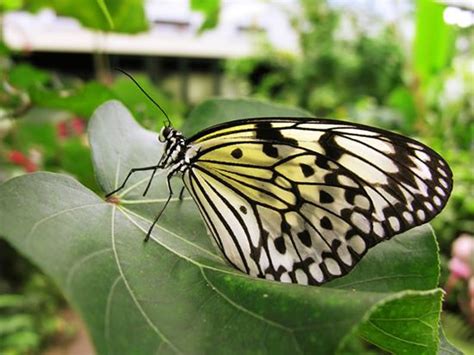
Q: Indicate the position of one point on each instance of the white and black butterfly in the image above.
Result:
(302, 200)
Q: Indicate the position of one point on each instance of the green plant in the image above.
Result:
(461, 334)
(43, 116)
(119, 16)
(331, 73)
(175, 292)
(29, 304)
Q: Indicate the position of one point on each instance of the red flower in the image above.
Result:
(78, 125)
(18, 158)
(61, 129)
(69, 128)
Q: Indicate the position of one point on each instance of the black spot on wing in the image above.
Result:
(306, 170)
(237, 153)
(325, 197)
(326, 223)
(322, 162)
(305, 238)
(280, 245)
(350, 195)
(332, 149)
(270, 150)
(266, 132)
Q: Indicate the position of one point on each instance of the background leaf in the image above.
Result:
(416, 332)
(127, 15)
(433, 46)
(105, 11)
(445, 347)
(175, 294)
(216, 111)
(210, 9)
(81, 101)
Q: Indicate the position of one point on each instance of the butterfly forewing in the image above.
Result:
(303, 200)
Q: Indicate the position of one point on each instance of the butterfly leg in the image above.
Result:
(154, 168)
(168, 182)
(181, 193)
(151, 179)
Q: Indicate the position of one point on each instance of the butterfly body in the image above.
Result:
(302, 200)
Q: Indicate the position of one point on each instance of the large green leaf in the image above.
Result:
(125, 15)
(175, 294)
(143, 108)
(433, 46)
(210, 9)
(216, 111)
(81, 101)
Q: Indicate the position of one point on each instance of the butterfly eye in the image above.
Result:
(164, 133)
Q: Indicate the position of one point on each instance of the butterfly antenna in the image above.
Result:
(146, 94)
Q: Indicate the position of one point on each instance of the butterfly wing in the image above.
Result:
(303, 200)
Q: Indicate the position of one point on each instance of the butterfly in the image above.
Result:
(302, 200)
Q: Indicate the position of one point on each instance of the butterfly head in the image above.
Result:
(175, 145)
(166, 133)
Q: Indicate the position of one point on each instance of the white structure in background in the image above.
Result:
(173, 31)
(458, 16)
(174, 27)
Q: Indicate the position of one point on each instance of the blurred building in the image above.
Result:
(173, 51)
(178, 56)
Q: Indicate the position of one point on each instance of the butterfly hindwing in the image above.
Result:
(303, 200)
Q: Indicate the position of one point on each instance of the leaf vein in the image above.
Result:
(130, 291)
(242, 308)
(107, 311)
(158, 200)
(126, 212)
(377, 279)
(57, 214)
(77, 265)
(390, 335)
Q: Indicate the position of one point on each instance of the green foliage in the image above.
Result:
(126, 15)
(27, 77)
(434, 40)
(342, 69)
(210, 9)
(143, 109)
(458, 215)
(401, 99)
(28, 308)
(460, 333)
(408, 333)
(42, 120)
(33, 132)
(51, 113)
(10, 5)
(448, 126)
(212, 112)
(105, 11)
(80, 100)
(42, 89)
(331, 72)
(176, 290)
(445, 346)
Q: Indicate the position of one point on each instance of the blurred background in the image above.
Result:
(402, 65)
